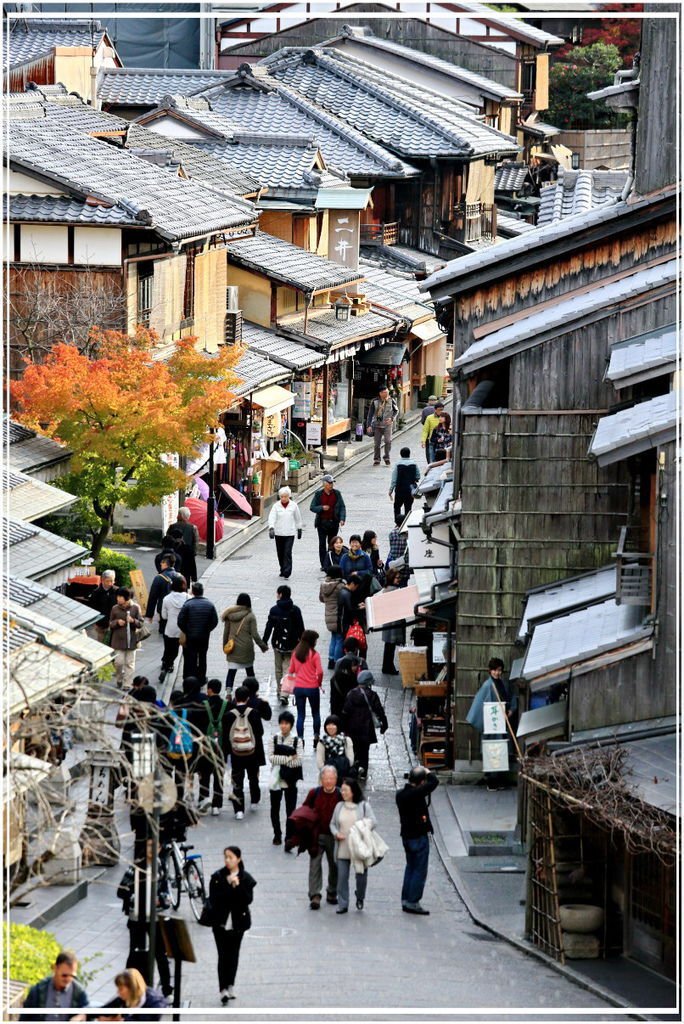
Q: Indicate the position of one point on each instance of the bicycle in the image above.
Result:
(180, 872)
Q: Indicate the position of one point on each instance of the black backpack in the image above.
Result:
(283, 634)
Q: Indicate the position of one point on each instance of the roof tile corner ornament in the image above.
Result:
(245, 71)
(310, 57)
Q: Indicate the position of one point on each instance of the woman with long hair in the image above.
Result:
(231, 890)
(306, 667)
(328, 595)
(240, 633)
(352, 808)
(134, 993)
(369, 544)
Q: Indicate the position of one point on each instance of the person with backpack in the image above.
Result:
(211, 763)
(178, 755)
(286, 762)
(362, 711)
(335, 748)
(306, 667)
(245, 739)
(255, 701)
(329, 589)
(240, 633)
(344, 674)
(284, 627)
(161, 586)
(322, 800)
(405, 477)
(134, 904)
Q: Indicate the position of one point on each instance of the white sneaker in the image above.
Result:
(224, 996)
(231, 992)
(215, 811)
(204, 805)
(239, 815)
(254, 808)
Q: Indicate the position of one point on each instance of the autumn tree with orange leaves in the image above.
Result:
(121, 411)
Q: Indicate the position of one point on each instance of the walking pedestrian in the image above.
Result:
(284, 626)
(59, 989)
(413, 802)
(356, 560)
(331, 514)
(336, 549)
(344, 674)
(124, 622)
(352, 808)
(134, 993)
(231, 891)
(284, 522)
(191, 539)
(181, 747)
(398, 547)
(351, 607)
(393, 633)
(171, 545)
(362, 709)
(211, 764)
(161, 586)
(240, 633)
(382, 414)
(322, 800)
(442, 438)
(429, 426)
(170, 609)
(102, 600)
(328, 594)
(495, 689)
(286, 762)
(405, 477)
(335, 748)
(197, 619)
(305, 666)
(251, 684)
(428, 409)
(245, 738)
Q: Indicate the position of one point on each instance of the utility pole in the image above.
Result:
(211, 503)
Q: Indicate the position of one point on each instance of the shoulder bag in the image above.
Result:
(229, 645)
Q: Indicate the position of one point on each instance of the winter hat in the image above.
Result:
(365, 678)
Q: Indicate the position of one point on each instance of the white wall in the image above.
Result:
(97, 246)
(44, 243)
(174, 129)
(26, 185)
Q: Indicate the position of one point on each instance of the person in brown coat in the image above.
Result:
(240, 626)
(330, 588)
(124, 622)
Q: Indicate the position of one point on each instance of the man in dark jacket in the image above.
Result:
(348, 601)
(413, 802)
(211, 762)
(344, 674)
(246, 743)
(284, 626)
(197, 618)
(58, 989)
(323, 800)
(172, 544)
(405, 477)
(360, 708)
(161, 586)
(102, 600)
(331, 514)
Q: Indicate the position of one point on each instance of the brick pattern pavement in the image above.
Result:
(294, 957)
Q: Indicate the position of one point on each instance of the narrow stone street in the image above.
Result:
(293, 958)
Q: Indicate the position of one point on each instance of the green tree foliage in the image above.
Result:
(27, 953)
(583, 69)
(121, 564)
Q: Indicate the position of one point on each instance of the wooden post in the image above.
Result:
(324, 411)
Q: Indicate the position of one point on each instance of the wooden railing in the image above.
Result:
(633, 574)
(474, 222)
(380, 234)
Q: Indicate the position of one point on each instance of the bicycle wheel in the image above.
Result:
(196, 894)
(173, 879)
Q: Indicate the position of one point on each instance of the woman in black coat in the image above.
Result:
(361, 704)
(231, 891)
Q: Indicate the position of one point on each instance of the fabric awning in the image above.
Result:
(395, 606)
(273, 399)
(543, 723)
(428, 331)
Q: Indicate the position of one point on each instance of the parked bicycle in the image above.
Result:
(182, 871)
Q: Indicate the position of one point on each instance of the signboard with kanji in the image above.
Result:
(494, 718)
(139, 588)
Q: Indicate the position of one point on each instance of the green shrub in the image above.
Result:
(122, 538)
(27, 953)
(121, 564)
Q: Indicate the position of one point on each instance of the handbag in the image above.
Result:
(143, 632)
(207, 917)
(356, 632)
(182, 638)
(288, 683)
(229, 645)
(376, 586)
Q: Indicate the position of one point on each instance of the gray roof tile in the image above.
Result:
(146, 87)
(561, 596)
(256, 372)
(507, 23)
(579, 191)
(323, 326)
(277, 165)
(634, 430)
(411, 121)
(643, 357)
(511, 227)
(273, 346)
(50, 603)
(288, 263)
(652, 771)
(35, 552)
(27, 498)
(27, 39)
(63, 112)
(64, 210)
(29, 451)
(510, 176)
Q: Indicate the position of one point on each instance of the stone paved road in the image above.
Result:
(294, 958)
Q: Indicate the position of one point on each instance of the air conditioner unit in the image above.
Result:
(232, 298)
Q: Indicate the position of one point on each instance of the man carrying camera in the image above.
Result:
(413, 802)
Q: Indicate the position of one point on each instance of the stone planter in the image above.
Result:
(581, 918)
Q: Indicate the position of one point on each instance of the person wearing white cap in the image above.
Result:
(331, 514)
(284, 522)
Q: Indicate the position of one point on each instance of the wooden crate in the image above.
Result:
(430, 689)
(412, 665)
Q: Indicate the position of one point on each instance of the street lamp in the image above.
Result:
(342, 307)
(210, 498)
(145, 768)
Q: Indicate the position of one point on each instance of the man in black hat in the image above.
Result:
(331, 514)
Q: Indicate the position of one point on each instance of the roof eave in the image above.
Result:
(636, 446)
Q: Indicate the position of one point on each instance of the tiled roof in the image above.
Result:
(486, 86)
(13, 433)
(404, 284)
(35, 552)
(64, 210)
(652, 771)
(230, 176)
(563, 595)
(634, 430)
(51, 604)
(277, 165)
(256, 372)
(172, 206)
(510, 176)
(28, 499)
(146, 87)
(28, 451)
(511, 227)
(569, 639)
(62, 112)
(403, 259)
(28, 39)
(259, 102)
(579, 191)
(399, 303)
(643, 357)
(411, 121)
(539, 129)
(288, 263)
(323, 326)
(532, 329)
(288, 353)
(507, 23)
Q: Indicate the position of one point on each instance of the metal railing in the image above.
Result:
(633, 574)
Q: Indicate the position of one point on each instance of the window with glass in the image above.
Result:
(145, 278)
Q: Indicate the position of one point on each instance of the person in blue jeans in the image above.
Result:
(413, 802)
